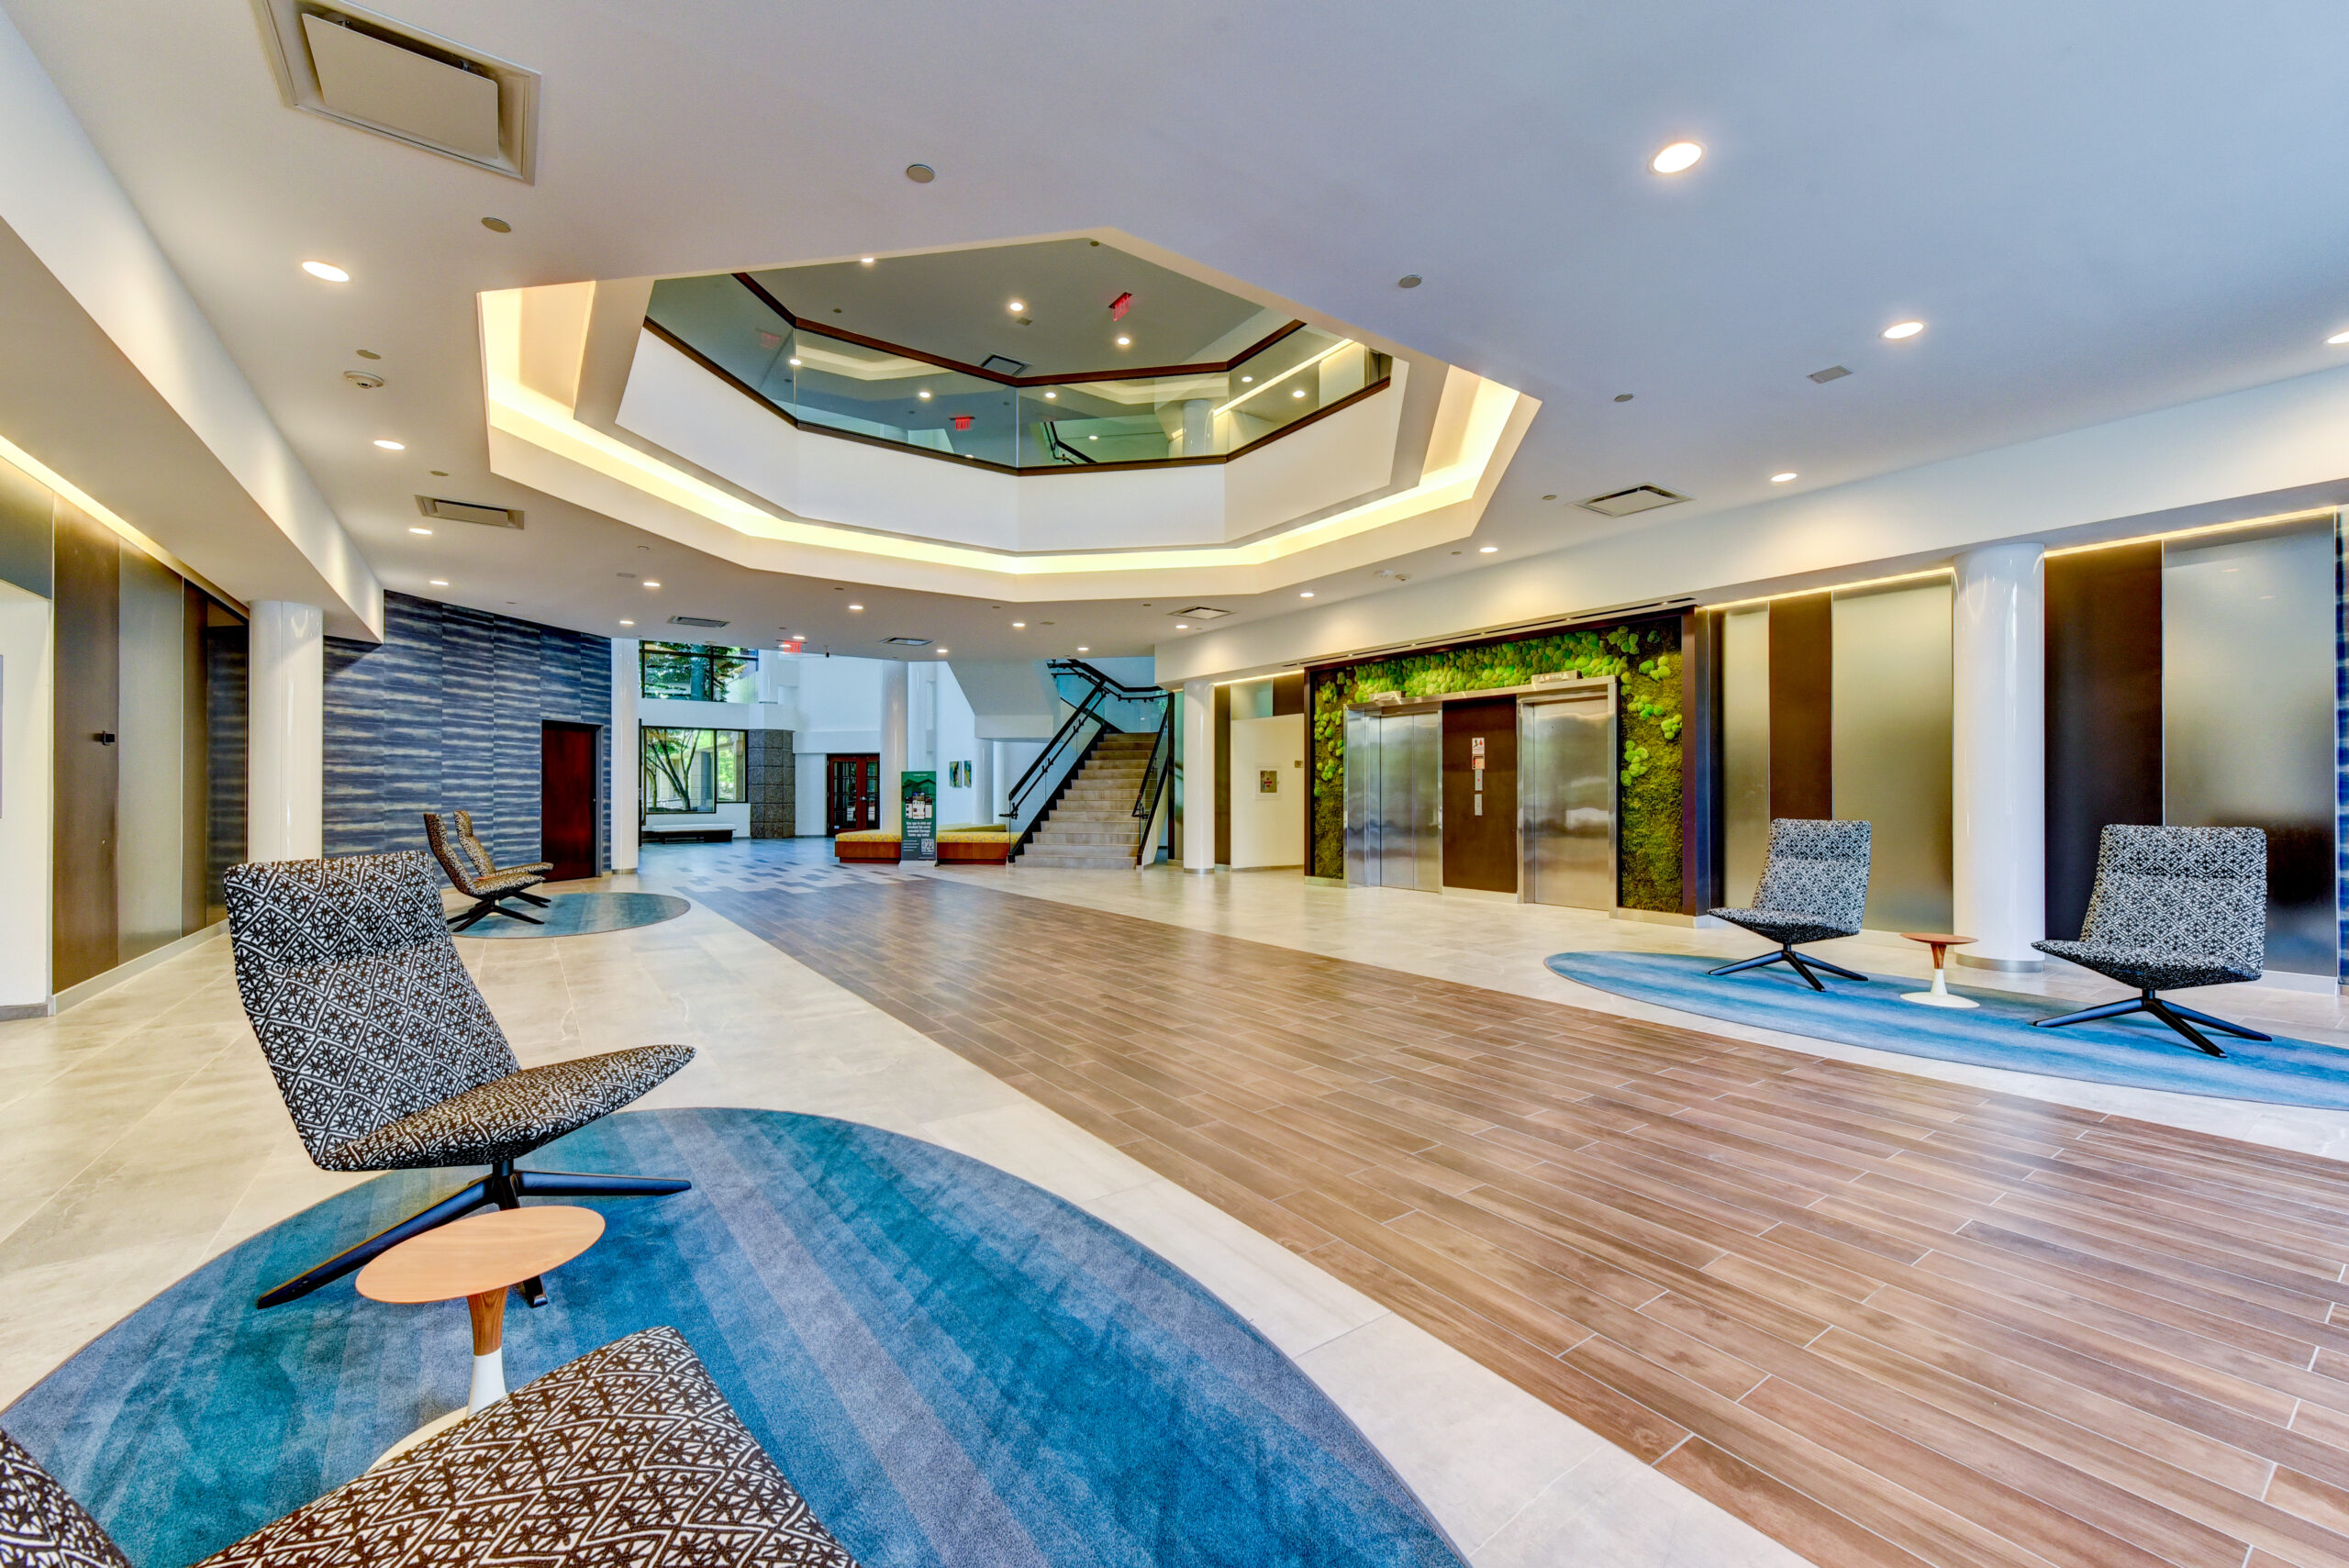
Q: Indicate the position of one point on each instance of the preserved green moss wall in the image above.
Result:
(1645, 658)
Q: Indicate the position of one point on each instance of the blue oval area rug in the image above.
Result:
(2139, 1053)
(580, 914)
(953, 1366)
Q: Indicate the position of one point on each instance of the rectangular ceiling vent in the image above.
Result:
(1832, 373)
(704, 622)
(1199, 611)
(368, 71)
(468, 512)
(907, 641)
(1003, 364)
(1623, 503)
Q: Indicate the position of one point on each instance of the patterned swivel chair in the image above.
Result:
(2173, 908)
(387, 1056)
(628, 1454)
(1814, 885)
(471, 871)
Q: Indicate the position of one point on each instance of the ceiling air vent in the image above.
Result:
(368, 71)
(703, 621)
(468, 512)
(1832, 373)
(1003, 364)
(1199, 611)
(907, 641)
(1623, 503)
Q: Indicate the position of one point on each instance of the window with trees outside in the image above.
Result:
(694, 770)
(692, 672)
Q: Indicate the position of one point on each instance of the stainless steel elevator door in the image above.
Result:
(1395, 800)
(1566, 795)
(1364, 751)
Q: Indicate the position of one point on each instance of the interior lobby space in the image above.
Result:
(939, 788)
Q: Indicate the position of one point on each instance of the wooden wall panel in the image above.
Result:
(1223, 775)
(1802, 683)
(88, 565)
(2104, 712)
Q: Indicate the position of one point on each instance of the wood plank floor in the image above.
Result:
(1886, 1319)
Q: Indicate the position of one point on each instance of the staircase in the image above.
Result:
(1093, 826)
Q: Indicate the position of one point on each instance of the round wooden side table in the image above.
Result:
(1939, 995)
(479, 1258)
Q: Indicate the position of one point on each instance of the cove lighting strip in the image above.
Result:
(531, 416)
(12, 453)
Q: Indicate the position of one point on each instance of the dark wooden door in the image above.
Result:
(1480, 795)
(84, 932)
(852, 792)
(567, 799)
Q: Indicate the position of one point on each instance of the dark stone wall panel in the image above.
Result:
(445, 714)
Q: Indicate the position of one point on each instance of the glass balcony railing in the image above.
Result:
(877, 392)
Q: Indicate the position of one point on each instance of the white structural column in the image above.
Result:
(892, 746)
(1198, 776)
(628, 768)
(983, 780)
(1998, 756)
(285, 758)
(921, 718)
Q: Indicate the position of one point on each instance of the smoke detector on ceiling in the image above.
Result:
(469, 512)
(1623, 503)
(345, 63)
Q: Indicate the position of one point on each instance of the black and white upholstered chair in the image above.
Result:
(2173, 908)
(387, 1056)
(628, 1454)
(465, 860)
(1814, 886)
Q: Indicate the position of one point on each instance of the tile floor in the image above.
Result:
(139, 1134)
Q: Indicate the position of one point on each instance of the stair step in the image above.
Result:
(1048, 861)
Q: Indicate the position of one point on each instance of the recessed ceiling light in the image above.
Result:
(1306, 595)
(393, 445)
(1298, 393)
(1081, 648)
(497, 226)
(1900, 329)
(794, 363)
(439, 473)
(328, 271)
(864, 260)
(1051, 397)
(1125, 342)
(1783, 478)
(924, 393)
(1487, 549)
(440, 582)
(1679, 156)
(419, 530)
(856, 607)
(1020, 625)
(1551, 497)
(1092, 437)
(1246, 379)
(2338, 338)
(628, 623)
(367, 353)
(650, 583)
(920, 173)
(1016, 306)
(1180, 626)
(1408, 281)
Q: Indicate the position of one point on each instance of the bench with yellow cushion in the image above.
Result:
(976, 843)
(873, 844)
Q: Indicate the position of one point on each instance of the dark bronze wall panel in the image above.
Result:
(1480, 850)
(1702, 821)
(1223, 775)
(1802, 681)
(2104, 712)
(1288, 694)
(89, 655)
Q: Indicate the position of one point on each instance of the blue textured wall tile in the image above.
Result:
(445, 715)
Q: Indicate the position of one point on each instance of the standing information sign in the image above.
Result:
(921, 817)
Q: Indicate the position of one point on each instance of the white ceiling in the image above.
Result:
(2099, 207)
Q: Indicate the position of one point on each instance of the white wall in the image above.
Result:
(958, 741)
(839, 708)
(1268, 829)
(27, 739)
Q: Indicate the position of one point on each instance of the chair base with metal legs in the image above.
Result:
(1802, 965)
(495, 905)
(503, 1187)
(2181, 1018)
